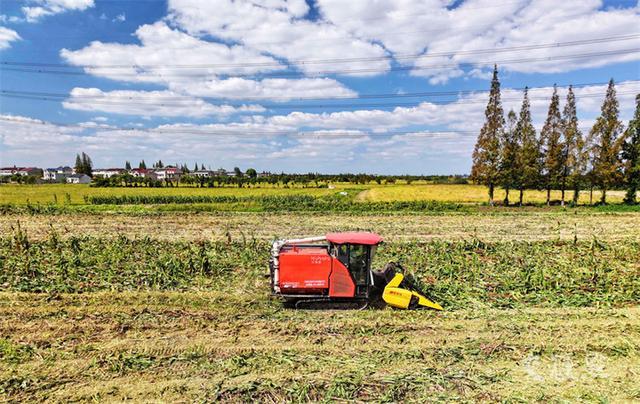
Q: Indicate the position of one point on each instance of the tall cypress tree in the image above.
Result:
(486, 154)
(575, 153)
(78, 165)
(127, 165)
(87, 164)
(509, 152)
(142, 165)
(631, 156)
(552, 147)
(528, 156)
(605, 134)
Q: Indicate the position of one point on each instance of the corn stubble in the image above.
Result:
(113, 318)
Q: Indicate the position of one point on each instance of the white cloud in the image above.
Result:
(120, 18)
(7, 36)
(482, 24)
(364, 140)
(162, 48)
(149, 103)
(277, 28)
(166, 55)
(50, 7)
(280, 89)
(467, 113)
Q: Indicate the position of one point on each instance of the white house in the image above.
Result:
(168, 173)
(78, 179)
(26, 171)
(8, 171)
(57, 174)
(143, 173)
(108, 172)
(203, 173)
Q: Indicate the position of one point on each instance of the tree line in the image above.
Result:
(309, 180)
(509, 154)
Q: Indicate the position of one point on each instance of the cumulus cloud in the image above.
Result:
(167, 55)
(455, 34)
(7, 36)
(371, 140)
(43, 8)
(154, 61)
(278, 28)
(149, 103)
(278, 89)
(466, 113)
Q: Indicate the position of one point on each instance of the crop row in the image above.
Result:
(270, 203)
(458, 274)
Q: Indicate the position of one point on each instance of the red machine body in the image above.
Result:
(334, 266)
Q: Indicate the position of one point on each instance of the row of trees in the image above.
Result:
(509, 154)
(310, 180)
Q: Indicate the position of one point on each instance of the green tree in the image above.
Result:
(486, 154)
(142, 165)
(127, 166)
(509, 152)
(237, 171)
(552, 148)
(251, 173)
(83, 165)
(78, 165)
(631, 156)
(575, 150)
(87, 164)
(606, 142)
(528, 157)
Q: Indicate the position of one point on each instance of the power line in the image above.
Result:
(334, 61)
(137, 103)
(333, 72)
(286, 99)
(264, 133)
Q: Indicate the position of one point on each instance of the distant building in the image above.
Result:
(143, 173)
(264, 174)
(78, 179)
(168, 173)
(203, 173)
(27, 171)
(57, 174)
(8, 171)
(108, 172)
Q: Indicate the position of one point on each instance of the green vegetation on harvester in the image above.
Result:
(457, 274)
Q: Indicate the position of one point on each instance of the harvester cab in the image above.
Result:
(335, 271)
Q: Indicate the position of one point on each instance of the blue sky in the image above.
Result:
(230, 84)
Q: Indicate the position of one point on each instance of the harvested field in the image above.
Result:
(238, 225)
(135, 303)
(205, 345)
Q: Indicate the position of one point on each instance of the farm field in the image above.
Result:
(57, 193)
(192, 346)
(215, 226)
(174, 306)
(470, 194)
(466, 194)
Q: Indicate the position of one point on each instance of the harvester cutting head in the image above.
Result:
(336, 268)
